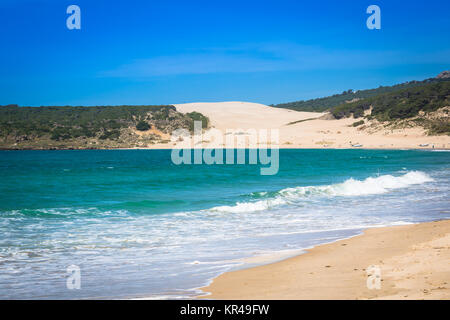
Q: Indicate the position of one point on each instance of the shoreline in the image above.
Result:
(169, 147)
(243, 124)
(413, 261)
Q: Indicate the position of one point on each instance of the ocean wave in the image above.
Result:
(62, 213)
(350, 187)
(251, 206)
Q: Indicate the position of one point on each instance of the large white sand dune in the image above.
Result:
(315, 132)
(245, 115)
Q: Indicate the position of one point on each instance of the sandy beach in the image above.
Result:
(413, 261)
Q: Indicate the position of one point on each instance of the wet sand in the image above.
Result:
(414, 262)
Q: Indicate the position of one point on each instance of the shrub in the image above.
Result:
(112, 135)
(142, 126)
(358, 123)
(196, 116)
(440, 127)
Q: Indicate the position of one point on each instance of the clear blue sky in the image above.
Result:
(163, 52)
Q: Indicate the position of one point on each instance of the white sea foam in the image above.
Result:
(251, 206)
(350, 187)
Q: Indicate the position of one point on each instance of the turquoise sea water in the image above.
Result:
(139, 226)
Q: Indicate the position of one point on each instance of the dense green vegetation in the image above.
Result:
(142, 126)
(73, 122)
(26, 125)
(323, 104)
(401, 104)
(196, 116)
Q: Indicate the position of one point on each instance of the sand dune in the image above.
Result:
(307, 133)
(245, 115)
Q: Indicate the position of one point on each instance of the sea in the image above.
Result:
(131, 224)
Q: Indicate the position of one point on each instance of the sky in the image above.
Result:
(167, 52)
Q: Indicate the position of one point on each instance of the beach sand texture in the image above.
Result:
(414, 261)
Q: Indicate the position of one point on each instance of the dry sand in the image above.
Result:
(315, 133)
(245, 115)
(414, 261)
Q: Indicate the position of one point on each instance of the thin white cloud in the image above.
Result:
(192, 64)
(265, 58)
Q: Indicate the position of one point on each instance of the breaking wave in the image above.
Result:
(350, 187)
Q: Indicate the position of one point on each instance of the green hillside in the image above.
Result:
(400, 104)
(89, 127)
(407, 104)
(415, 103)
(325, 103)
